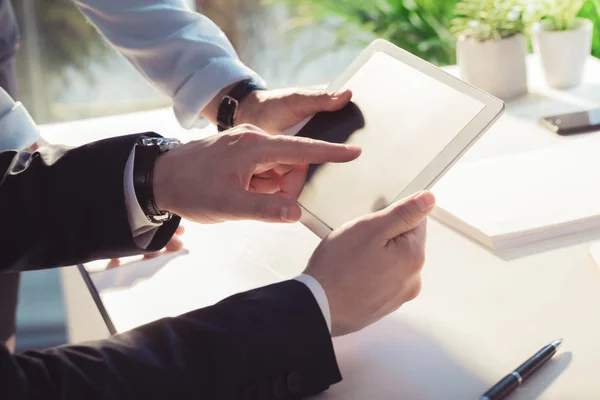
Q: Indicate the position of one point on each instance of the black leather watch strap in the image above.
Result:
(143, 173)
(230, 103)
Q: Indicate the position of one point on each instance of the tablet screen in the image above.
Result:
(402, 119)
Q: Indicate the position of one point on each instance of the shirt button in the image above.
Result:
(293, 383)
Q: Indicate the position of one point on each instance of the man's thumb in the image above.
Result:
(405, 215)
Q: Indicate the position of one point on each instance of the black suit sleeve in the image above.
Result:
(65, 206)
(269, 343)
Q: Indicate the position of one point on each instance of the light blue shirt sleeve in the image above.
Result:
(181, 51)
(17, 129)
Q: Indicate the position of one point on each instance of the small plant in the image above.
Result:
(483, 20)
(561, 15)
(418, 26)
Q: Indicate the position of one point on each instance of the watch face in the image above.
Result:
(165, 144)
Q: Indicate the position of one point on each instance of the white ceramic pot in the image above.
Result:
(563, 53)
(495, 66)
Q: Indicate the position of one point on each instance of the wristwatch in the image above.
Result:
(230, 103)
(147, 150)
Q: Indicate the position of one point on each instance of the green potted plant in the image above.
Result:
(418, 26)
(491, 46)
(563, 41)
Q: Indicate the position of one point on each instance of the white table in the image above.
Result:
(479, 315)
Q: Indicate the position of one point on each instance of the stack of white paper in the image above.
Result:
(524, 198)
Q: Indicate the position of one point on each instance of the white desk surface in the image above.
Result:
(479, 314)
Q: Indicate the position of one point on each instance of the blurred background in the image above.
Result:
(67, 72)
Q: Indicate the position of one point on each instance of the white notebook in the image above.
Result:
(514, 200)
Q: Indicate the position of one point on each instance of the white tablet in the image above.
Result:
(413, 122)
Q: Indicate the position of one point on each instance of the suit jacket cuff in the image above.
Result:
(285, 330)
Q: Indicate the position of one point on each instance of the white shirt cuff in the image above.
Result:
(317, 290)
(142, 229)
(205, 85)
(17, 129)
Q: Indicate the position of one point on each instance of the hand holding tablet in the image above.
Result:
(412, 120)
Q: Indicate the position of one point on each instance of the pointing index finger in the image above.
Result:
(300, 150)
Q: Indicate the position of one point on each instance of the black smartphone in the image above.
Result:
(578, 122)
